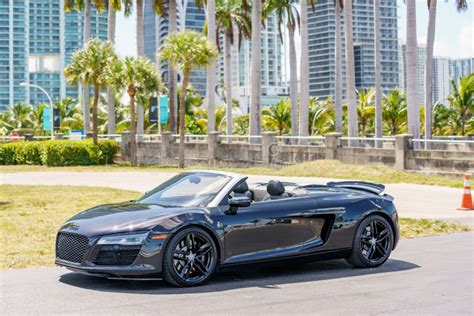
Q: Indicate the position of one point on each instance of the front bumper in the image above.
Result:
(147, 264)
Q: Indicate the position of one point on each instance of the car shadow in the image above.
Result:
(269, 276)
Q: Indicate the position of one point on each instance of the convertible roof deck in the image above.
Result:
(359, 185)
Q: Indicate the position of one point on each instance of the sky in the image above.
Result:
(454, 31)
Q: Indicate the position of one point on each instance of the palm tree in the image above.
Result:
(255, 81)
(20, 115)
(338, 5)
(113, 7)
(462, 99)
(85, 5)
(287, 13)
(321, 116)
(89, 66)
(412, 71)
(36, 116)
(365, 110)
(378, 74)
(139, 78)
(231, 18)
(352, 124)
(394, 112)
(69, 114)
(186, 51)
(304, 70)
(461, 6)
(277, 117)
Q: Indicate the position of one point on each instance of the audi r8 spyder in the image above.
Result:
(200, 221)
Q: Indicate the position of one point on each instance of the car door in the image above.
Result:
(268, 229)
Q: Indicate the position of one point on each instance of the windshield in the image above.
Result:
(187, 189)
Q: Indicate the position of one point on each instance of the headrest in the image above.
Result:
(241, 188)
(274, 187)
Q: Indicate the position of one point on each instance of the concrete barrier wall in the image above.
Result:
(399, 154)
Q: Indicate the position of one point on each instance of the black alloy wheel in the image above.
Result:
(373, 242)
(190, 258)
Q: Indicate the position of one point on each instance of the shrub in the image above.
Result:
(58, 153)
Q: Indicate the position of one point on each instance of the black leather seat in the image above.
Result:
(242, 190)
(275, 191)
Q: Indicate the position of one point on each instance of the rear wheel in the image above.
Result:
(190, 258)
(373, 242)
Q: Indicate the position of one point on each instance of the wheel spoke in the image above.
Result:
(370, 254)
(186, 266)
(381, 249)
(201, 266)
(203, 249)
(373, 228)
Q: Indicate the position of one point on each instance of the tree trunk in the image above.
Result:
(110, 93)
(182, 113)
(429, 72)
(172, 75)
(140, 52)
(255, 82)
(412, 72)
(304, 72)
(352, 124)
(94, 113)
(133, 129)
(338, 61)
(211, 69)
(293, 81)
(228, 82)
(86, 108)
(378, 75)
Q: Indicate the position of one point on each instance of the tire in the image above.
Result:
(369, 251)
(190, 258)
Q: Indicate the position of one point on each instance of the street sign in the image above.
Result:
(164, 109)
(153, 115)
(47, 119)
(56, 119)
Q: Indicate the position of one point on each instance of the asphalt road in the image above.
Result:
(431, 276)
(412, 200)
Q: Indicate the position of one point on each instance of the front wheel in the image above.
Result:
(373, 242)
(190, 258)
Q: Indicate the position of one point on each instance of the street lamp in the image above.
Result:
(25, 84)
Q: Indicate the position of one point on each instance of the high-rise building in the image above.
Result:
(37, 40)
(421, 70)
(156, 30)
(461, 67)
(272, 70)
(440, 88)
(322, 44)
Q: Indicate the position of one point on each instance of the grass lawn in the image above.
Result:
(31, 215)
(319, 168)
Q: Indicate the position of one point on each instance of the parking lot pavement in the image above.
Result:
(412, 200)
(429, 276)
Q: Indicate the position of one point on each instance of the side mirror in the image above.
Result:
(238, 201)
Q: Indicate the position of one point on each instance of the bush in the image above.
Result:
(58, 153)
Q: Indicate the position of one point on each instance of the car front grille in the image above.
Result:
(116, 257)
(71, 247)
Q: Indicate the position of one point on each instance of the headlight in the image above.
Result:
(125, 240)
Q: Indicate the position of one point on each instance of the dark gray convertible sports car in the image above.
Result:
(200, 221)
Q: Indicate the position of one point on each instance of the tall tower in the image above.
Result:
(322, 43)
(37, 40)
(156, 30)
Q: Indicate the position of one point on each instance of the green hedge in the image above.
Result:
(58, 153)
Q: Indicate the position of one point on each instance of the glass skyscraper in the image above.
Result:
(322, 44)
(156, 30)
(37, 40)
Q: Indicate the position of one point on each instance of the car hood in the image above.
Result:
(124, 218)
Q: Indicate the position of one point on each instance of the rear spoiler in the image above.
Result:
(358, 185)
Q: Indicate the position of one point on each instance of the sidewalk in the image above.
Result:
(412, 200)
